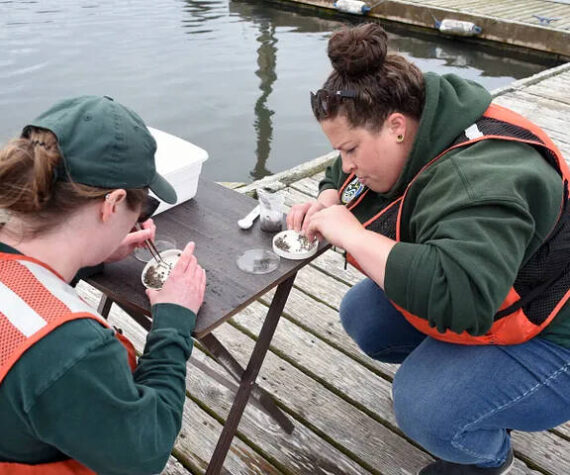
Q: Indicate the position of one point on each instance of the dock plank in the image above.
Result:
(323, 321)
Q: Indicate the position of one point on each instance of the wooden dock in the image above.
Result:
(338, 398)
(540, 25)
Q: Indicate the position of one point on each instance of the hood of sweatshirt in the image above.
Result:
(451, 105)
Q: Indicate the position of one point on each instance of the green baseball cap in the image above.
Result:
(104, 144)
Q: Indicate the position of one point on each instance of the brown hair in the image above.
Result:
(367, 84)
(34, 186)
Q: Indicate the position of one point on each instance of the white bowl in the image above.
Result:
(171, 257)
(292, 245)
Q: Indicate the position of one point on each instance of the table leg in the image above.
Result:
(104, 306)
(225, 359)
(249, 375)
(141, 319)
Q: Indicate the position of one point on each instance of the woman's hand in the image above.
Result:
(299, 216)
(185, 285)
(133, 240)
(336, 224)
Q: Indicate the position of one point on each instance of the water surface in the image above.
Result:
(232, 76)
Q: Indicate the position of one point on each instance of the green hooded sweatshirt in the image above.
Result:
(470, 221)
(73, 394)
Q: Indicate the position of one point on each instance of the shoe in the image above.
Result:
(442, 467)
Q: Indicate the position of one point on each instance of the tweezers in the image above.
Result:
(152, 248)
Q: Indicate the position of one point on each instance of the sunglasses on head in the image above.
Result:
(148, 208)
(325, 103)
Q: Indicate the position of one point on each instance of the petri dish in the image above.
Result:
(258, 261)
(293, 245)
(155, 273)
(143, 254)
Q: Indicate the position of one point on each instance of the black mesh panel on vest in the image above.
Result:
(386, 223)
(545, 278)
(489, 126)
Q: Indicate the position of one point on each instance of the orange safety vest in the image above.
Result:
(35, 300)
(542, 285)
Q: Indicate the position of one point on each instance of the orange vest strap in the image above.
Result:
(64, 467)
(131, 352)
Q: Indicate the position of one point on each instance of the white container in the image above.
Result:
(180, 162)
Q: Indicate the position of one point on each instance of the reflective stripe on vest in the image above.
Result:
(34, 300)
(542, 286)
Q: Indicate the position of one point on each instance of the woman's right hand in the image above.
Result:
(185, 285)
(299, 216)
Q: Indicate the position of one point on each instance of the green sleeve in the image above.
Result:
(469, 225)
(114, 421)
(458, 277)
(334, 176)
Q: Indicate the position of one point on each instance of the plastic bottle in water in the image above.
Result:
(352, 6)
(458, 27)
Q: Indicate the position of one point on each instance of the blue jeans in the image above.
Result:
(457, 400)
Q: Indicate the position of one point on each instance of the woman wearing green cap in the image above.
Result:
(72, 188)
(457, 211)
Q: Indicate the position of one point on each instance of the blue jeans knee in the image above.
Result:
(376, 326)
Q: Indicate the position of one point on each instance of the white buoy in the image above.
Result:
(352, 6)
(458, 27)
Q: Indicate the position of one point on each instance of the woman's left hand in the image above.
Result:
(336, 224)
(133, 240)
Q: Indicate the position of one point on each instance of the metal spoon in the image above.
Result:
(247, 221)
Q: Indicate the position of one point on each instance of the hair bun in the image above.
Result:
(358, 51)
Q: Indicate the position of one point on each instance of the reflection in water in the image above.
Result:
(266, 60)
(201, 14)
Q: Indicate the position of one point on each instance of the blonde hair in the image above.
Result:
(35, 187)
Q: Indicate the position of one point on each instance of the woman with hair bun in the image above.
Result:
(72, 397)
(456, 210)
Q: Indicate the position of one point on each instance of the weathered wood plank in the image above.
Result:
(313, 282)
(308, 186)
(198, 437)
(174, 467)
(548, 451)
(546, 113)
(292, 196)
(324, 322)
(324, 363)
(332, 263)
(555, 88)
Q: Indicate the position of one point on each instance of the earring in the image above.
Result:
(107, 197)
(400, 138)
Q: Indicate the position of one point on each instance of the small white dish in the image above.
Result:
(293, 245)
(155, 273)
